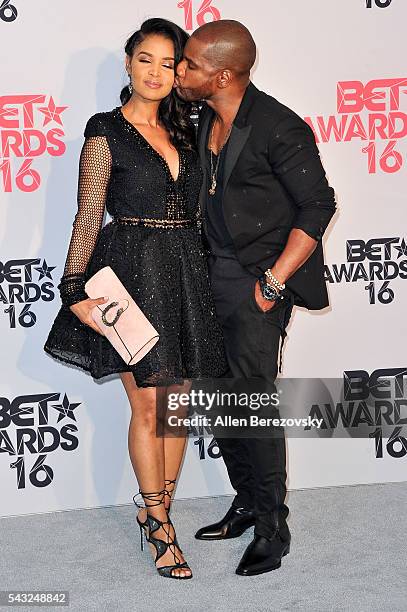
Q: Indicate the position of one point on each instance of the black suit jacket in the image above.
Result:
(273, 181)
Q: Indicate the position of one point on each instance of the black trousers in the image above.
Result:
(256, 466)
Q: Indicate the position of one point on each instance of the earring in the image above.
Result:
(130, 86)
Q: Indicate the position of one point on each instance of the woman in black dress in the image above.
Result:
(139, 162)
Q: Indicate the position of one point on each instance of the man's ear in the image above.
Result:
(224, 79)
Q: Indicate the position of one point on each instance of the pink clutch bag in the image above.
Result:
(120, 320)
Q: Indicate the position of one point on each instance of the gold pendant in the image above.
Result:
(212, 189)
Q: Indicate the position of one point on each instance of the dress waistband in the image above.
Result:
(162, 223)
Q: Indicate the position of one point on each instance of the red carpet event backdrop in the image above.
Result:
(341, 66)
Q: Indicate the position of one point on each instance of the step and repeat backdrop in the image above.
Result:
(340, 64)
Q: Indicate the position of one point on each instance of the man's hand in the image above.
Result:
(83, 309)
(262, 303)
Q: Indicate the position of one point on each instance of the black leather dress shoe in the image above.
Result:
(263, 555)
(234, 523)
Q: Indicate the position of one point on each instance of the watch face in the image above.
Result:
(268, 292)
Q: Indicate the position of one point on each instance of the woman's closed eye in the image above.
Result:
(145, 61)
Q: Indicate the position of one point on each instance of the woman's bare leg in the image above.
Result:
(147, 456)
(174, 445)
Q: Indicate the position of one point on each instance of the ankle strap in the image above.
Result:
(151, 497)
(169, 482)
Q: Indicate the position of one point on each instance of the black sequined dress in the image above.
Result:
(162, 266)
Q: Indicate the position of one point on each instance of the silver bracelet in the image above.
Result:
(273, 280)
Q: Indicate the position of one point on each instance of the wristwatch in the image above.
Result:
(268, 291)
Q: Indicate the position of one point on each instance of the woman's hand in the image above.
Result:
(83, 309)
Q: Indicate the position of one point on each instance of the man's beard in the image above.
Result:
(196, 94)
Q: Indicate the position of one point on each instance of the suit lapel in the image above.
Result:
(240, 131)
(237, 141)
(238, 137)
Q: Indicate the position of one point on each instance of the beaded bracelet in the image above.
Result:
(72, 289)
(274, 280)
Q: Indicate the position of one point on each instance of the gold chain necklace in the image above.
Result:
(214, 171)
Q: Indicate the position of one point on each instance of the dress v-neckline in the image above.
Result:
(162, 158)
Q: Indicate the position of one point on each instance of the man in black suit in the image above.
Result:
(266, 204)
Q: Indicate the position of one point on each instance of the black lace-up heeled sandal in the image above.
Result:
(150, 526)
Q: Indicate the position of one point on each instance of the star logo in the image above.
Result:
(45, 270)
(66, 409)
(52, 112)
(402, 249)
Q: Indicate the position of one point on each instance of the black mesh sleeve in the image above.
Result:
(94, 175)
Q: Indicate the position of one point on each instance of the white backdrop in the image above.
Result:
(63, 436)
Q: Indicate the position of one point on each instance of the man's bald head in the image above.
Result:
(229, 45)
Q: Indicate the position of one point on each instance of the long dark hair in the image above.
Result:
(174, 113)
